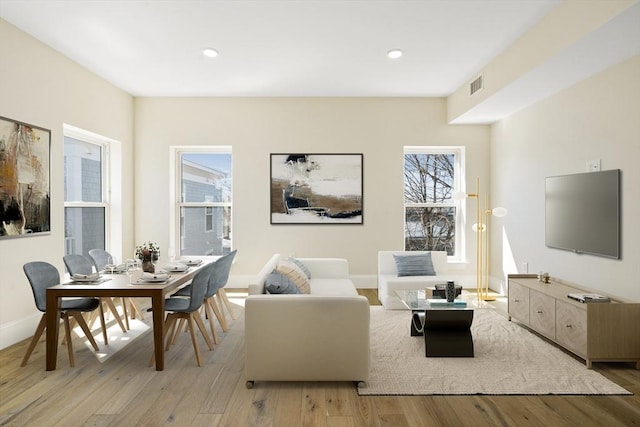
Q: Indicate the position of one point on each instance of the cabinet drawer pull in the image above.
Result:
(568, 326)
(516, 300)
(539, 311)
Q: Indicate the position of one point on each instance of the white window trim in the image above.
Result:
(175, 171)
(458, 187)
(111, 178)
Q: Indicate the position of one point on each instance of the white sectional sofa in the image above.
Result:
(321, 336)
(389, 282)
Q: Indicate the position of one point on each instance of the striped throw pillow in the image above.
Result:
(294, 274)
(414, 265)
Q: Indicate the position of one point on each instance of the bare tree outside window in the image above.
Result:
(430, 210)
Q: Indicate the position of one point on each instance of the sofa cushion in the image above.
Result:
(414, 265)
(333, 287)
(295, 274)
(301, 265)
(276, 283)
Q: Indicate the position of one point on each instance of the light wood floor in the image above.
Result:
(124, 391)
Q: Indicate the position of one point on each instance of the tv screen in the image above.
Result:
(582, 213)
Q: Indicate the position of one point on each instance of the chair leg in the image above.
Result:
(93, 317)
(217, 309)
(103, 324)
(36, 337)
(123, 303)
(67, 334)
(194, 339)
(170, 329)
(177, 331)
(223, 296)
(85, 328)
(133, 307)
(203, 330)
(212, 325)
(114, 310)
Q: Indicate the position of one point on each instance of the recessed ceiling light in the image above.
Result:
(394, 53)
(209, 52)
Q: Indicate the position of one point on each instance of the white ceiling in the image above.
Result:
(289, 47)
(279, 48)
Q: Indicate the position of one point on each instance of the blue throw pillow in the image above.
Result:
(276, 283)
(414, 265)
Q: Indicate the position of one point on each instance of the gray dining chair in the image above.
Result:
(79, 264)
(217, 280)
(42, 275)
(187, 309)
(101, 258)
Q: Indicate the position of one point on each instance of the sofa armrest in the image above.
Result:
(306, 338)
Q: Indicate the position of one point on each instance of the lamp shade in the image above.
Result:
(499, 212)
(478, 227)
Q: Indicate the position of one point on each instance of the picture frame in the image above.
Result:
(25, 179)
(316, 188)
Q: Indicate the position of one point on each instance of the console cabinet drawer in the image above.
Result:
(571, 328)
(519, 302)
(542, 313)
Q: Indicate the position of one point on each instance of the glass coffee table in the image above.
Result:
(446, 327)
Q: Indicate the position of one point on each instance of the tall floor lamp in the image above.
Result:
(482, 250)
(485, 253)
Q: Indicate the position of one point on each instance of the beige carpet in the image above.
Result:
(508, 360)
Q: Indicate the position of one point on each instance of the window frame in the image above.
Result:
(176, 220)
(104, 145)
(458, 187)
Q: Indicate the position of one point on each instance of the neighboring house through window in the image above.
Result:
(202, 218)
(432, 176)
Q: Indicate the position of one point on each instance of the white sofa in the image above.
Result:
(389, 282)
(321, 336)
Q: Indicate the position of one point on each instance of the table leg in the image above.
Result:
(157, 306)
(53, 322)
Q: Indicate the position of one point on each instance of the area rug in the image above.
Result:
(509, 360)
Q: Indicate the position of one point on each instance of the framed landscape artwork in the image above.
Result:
(316, 189)
(24, 179)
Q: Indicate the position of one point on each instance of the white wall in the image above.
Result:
(598, 118)
(256, 127)
(43, 88)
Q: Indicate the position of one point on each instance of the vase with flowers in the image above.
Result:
(148, 253)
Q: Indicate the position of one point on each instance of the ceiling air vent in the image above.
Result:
(475, 85)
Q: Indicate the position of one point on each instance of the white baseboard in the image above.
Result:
(18, 330)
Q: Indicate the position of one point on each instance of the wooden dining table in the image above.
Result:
(115, 285)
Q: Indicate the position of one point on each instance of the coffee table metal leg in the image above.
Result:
(417, 323)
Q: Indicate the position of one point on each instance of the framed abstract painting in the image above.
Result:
(25, 152)
(316, 188)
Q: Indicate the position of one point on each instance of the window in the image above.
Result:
(432, 214)
(203, 196)
(85, 202)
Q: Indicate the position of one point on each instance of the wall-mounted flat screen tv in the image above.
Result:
(582, 213)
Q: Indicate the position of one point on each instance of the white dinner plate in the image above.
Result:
(86, 279)
(180, 268)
